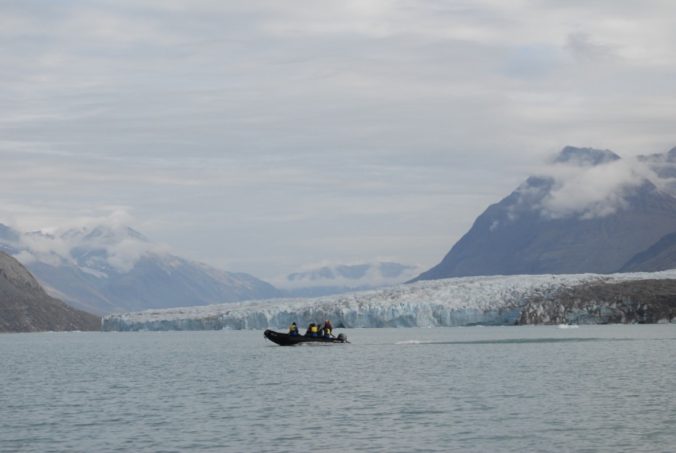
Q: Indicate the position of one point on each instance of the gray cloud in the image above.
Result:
(583, 47)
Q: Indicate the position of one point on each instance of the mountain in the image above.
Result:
(658, 257)
(110, 269)
(26, 307)
(468, 301)
(343, 278)
(664, 165)
(592, 213)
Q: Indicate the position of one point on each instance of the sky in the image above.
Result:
(269, 137)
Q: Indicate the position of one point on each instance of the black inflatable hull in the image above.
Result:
(284, 339)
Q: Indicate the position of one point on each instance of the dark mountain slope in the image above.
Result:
(658, 257)
(26, 307)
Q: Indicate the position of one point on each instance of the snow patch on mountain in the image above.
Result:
(94, 250)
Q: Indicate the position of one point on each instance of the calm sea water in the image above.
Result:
(596, 388)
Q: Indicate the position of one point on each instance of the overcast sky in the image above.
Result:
(269, 136)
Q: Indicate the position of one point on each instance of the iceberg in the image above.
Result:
(467, 301)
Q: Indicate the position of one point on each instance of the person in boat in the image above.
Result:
(293, 329)
(312, 330)
(328, 329)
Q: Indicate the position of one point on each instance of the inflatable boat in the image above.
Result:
(284, 339)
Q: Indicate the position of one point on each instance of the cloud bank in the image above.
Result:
(579, 187)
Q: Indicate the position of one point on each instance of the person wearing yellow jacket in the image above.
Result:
(293, 329)
(312, 330)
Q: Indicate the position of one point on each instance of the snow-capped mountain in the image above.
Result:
(500, 300)
(589, 212)
(111, 269)
(341, 278)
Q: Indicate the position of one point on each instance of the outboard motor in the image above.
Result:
(342, 338)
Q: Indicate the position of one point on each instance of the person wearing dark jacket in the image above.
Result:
(328, 329)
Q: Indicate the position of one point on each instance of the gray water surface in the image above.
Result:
(592, 388)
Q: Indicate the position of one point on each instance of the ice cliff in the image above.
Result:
(494, 300)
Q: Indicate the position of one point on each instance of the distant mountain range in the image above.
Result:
(342, 278)
(107, 269)
(26, 307)
(111, 269)
(592, 212)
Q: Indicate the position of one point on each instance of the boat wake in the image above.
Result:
(413, 342)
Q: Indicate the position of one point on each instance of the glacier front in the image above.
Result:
(492, 300)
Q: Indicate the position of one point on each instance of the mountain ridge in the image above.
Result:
(525, 234)
(111, 269)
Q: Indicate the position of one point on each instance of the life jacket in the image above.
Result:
(314, 329)
(293, 329)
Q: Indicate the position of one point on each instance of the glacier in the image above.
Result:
(466, 301)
